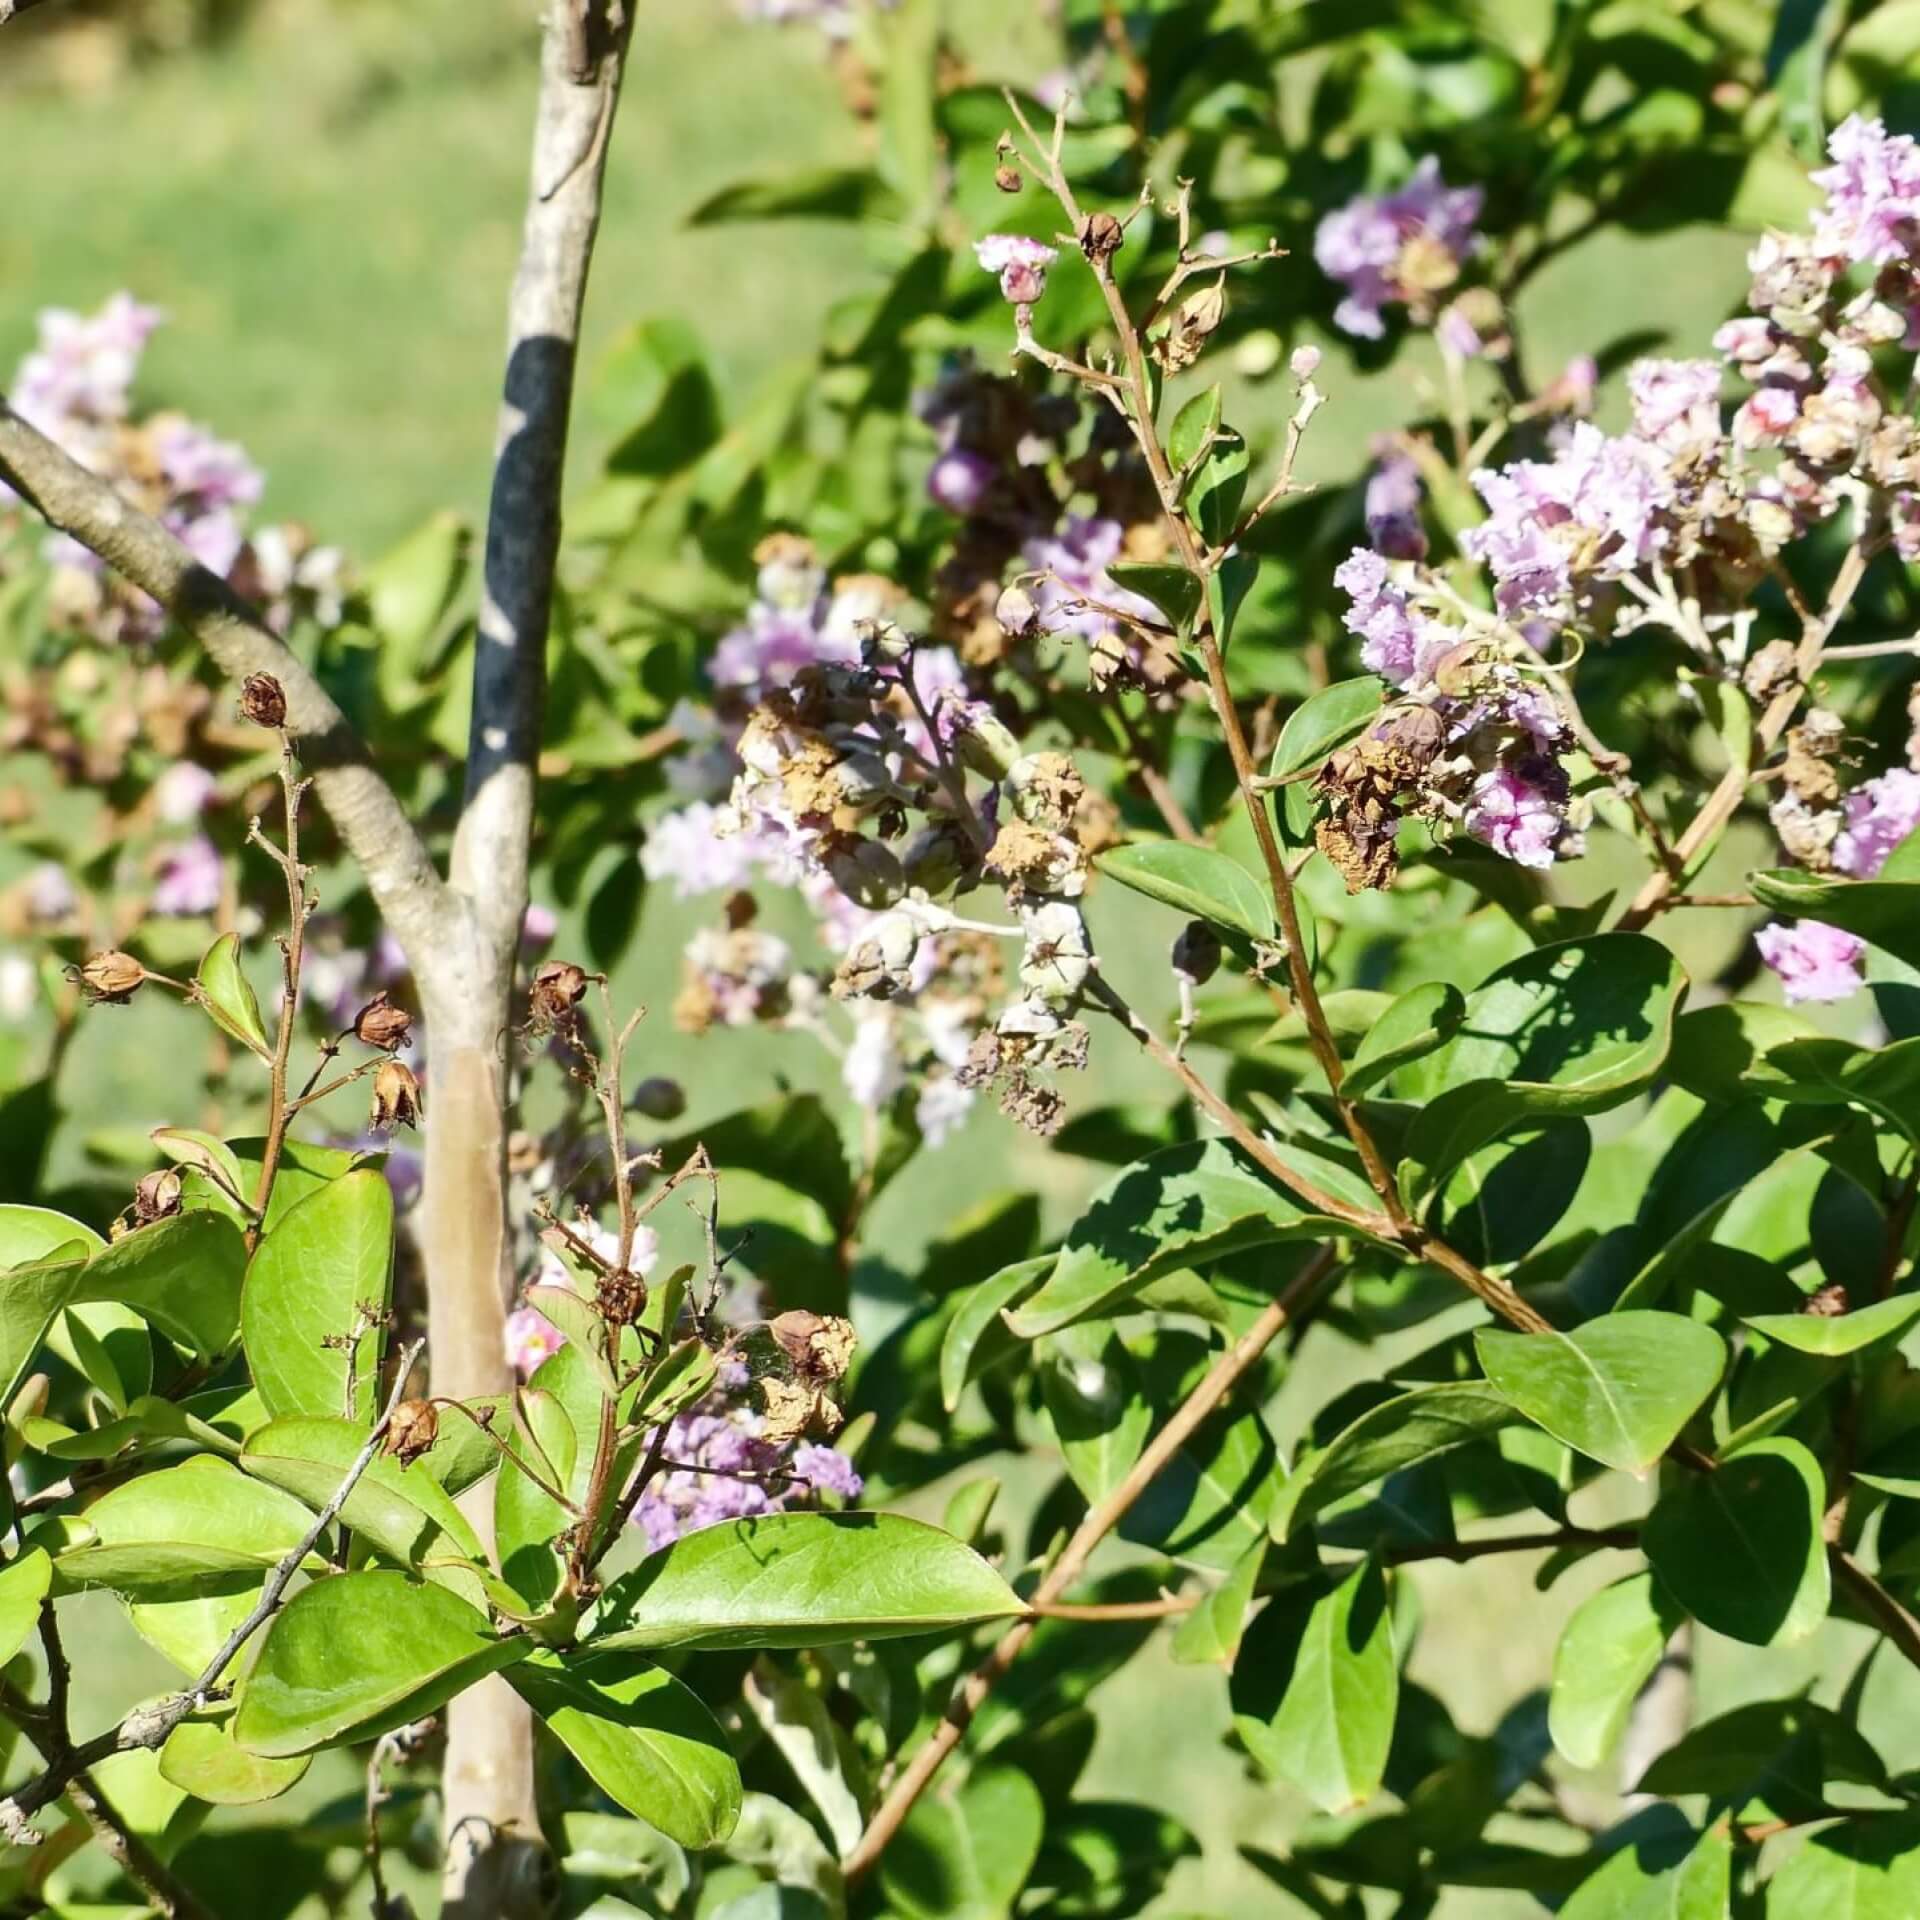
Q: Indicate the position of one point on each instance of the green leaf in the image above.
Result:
(977, 1336)
(826, 193)
(1786, 1751)
(1741, 1548)
(1227, 588)
(1215, 493)
(45, 1254)
(1317, 1688)
(182, 1274)
(1322, 722)
(173, 1533)
(561, 1406)
(1574, 1028)
(305, 1285)
(1840, 1333)
(802, 1580)
(1606, 1654)
(966, 1857)
(1098, 1408)
(402, 1511)
(1412, 1027)
(577, 1319)
(1210, 1635)
(202, 1758)
(1194, 880)
(1399, 1433)
(23, 1585)
(1170, 587)
(1641, 1882)
(1182, 1207)
(226, 994)
(355, 1656)
(1884, 912)
(1193, 429)
(1617, 1389)
(1862, 1869)
(410, 590)
(683, 1374)
(643, 1737)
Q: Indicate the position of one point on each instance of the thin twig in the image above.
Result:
(1233, 1363)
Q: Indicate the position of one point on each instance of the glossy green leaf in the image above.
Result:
(224, 990)
(977, 1335)
(643, 1737)
(1199, 881)
(1170, 587)
(802, 1580)
(966, 1857)
(1839, 1333)
(402, 1511)
(1210, 1635)
(203, 1758)
(1641, 1882)
(683, 1374)
(561, 1405)
(359, 1654)
(1575, 1028)
(305, 1285)
(44, 1254)
(1399, 1433)
(1193, 429)
(1862, 1869)
(1412, 1027)
(1182, 1207)
(23, 1585)
(1316, 1689)
(575, 1317)
(1322, 722)
(1741, 1547)
(1606, 1654)
(182, 1274)
(1883, 912)
(1788, 1752)
(1097, 1405)
(177, 1532)
(1216, 493)
(1617, 1389)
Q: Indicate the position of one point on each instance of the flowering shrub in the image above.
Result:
(1501, 853)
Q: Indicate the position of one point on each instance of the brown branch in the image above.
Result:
(1100, 1521)
(410, 894)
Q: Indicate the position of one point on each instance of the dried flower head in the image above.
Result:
(396, 1097)
(156, 1196)
(412, 1430)
(112, 977)
(263, 700)
(381, 1024)
(558, 987)
(819, 1346)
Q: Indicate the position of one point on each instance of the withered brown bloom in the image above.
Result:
(156, 1196)
(396, 1097)
(558, 987)
(414, 1428)
(263, 700)
(113, 977)
(381, 1024)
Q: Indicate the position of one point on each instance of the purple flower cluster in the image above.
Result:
(1814, 961)
(1872, 214)
(728, 1470)
(1397, 249)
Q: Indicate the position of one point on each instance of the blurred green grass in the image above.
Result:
(327, 206)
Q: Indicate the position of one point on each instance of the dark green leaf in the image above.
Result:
(1170, 587)
(1322, 722)
(828, 193)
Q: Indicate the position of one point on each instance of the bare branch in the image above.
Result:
(407, 889)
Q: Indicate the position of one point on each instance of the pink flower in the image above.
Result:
(50, 894)
(1880, 814)
(531, 1339)
(84, 366)
(1020, 262)
(1766, 417)
(1362, 244)
(1304, 362)
(1675, 393)
(959, 480)
(1814, 961)
(182, 792)
(189, 879)
(1873, 193)
(539, 925)
(1077, 558)
(1519, 818)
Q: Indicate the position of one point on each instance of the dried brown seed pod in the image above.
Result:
(396, 1097)
(156, 1196)
(111, 976)
(381, 1024)
(414, 1428)
(263, 700)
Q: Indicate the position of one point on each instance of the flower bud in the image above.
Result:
(938, 857)
(659, 1098)
(380, 1024)
(1016, 612)
(867, 872)
(112, 977)
(1006, 176)
(1304, 362)
(1058, 956)
(263, 700)
(156, 1196)
(396, 1098)
(981, 739)
(1196, 952)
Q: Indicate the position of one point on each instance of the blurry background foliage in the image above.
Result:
(323, 196)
